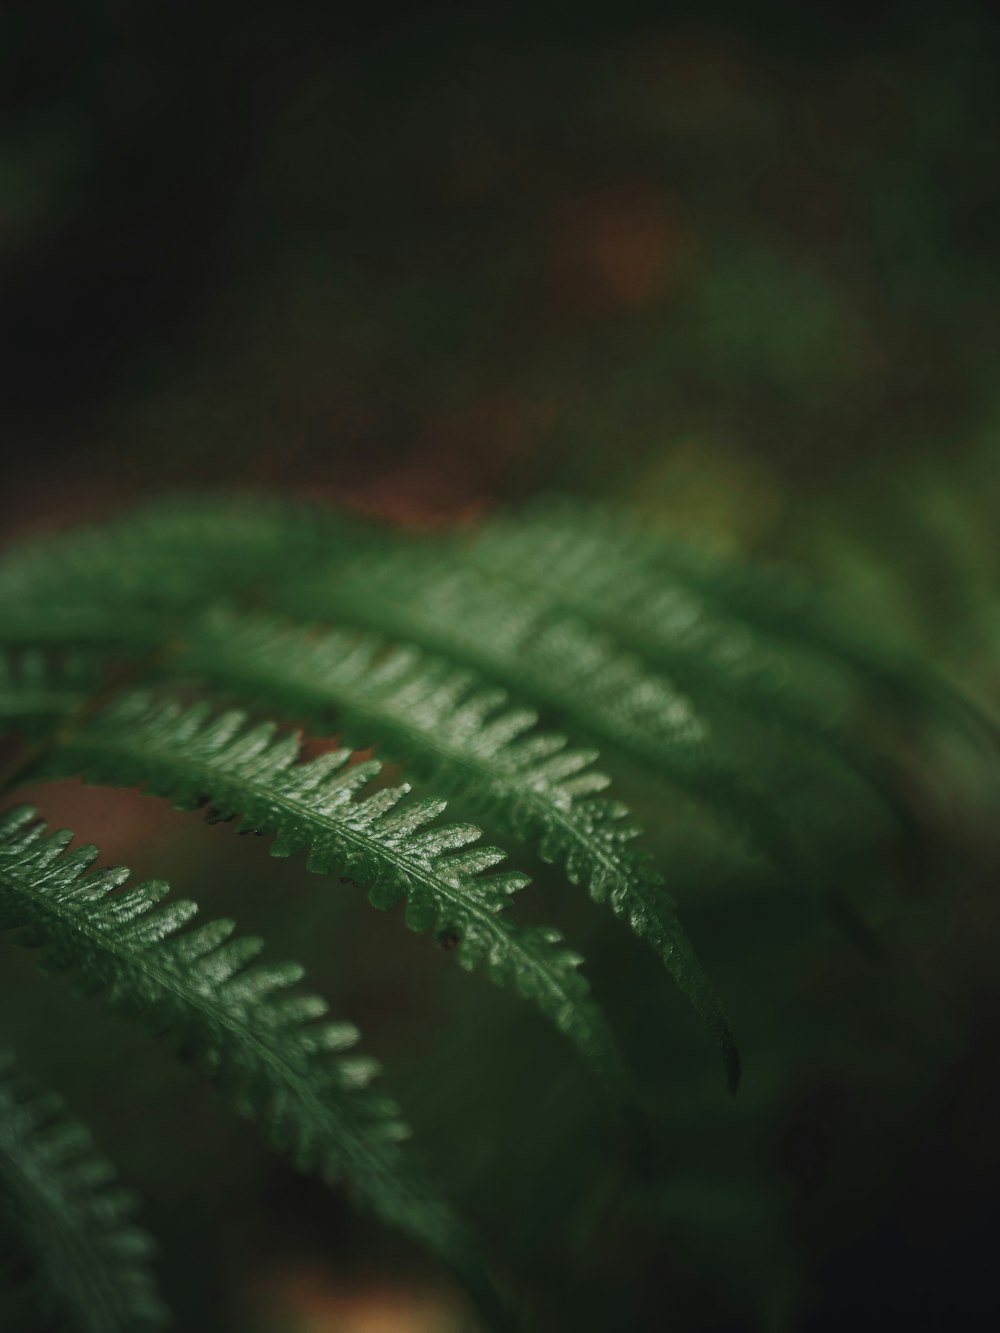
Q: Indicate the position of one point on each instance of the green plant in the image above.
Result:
(757, 729)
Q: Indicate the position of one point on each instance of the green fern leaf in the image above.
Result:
(195, 759)
(466, 737)
(61, 1209)
(268, 1051)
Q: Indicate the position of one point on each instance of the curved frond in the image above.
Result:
(470, 740)
(390, 843)
(86, 1262)
(269, 1050)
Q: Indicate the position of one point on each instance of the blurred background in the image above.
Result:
(735, 265)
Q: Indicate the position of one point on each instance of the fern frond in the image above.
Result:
(591, 569)
(774, 605)
(86, 1260)
(470, 740)
(388, 842)
(267, 1050)
(601, 571)
(557, 662)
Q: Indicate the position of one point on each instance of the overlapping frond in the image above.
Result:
(383, 840)
(578, 558)
(548, 606)
(451, 726)
(574, 672)
(606, 575)
(267, 1046)
(84, 1261)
